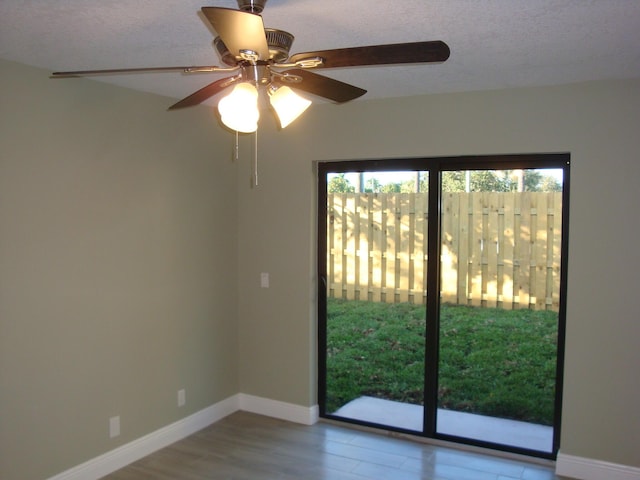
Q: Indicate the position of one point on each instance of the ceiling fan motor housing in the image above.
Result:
(279, 43)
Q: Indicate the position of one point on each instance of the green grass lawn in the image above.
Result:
(492, 362)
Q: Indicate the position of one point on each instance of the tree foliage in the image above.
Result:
(460, 181)
(339, 184)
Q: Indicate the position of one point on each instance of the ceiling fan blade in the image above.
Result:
(120, 71)
(239, 30)
(324, 86)
(205, 92)
(397, 53)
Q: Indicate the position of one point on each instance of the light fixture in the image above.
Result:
(287, 104)
(239, 109)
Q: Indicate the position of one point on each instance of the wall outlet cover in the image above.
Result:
(114, 426)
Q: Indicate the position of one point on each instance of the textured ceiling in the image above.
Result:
(494, 43)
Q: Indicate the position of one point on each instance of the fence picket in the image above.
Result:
(376, 250)
(508, 255)
(403, 254)
(500, 240)
(476, 249)
(334, 242)
(420, 249)
(491, 227)
(556, 246)
(390, 250)
(541, 246)
(452, 286)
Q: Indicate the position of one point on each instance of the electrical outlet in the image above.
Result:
(114, 426)
(182, 397)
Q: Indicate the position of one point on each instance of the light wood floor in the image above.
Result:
(245, 446)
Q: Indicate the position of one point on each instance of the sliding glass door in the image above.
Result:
(500, 263)
(375, 296)
(441, 303)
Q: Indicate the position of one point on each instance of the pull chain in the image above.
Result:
(237, 149)
(255, 159)
(236, 156)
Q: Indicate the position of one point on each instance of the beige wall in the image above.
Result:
(597, 123)
(117, 268)
(130, 256)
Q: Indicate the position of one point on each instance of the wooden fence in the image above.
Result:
(497, 249)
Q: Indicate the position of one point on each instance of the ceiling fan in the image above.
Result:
(258, 59)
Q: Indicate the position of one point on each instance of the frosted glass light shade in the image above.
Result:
(239, 109)
(288, 105)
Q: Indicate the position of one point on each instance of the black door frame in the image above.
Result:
(435, 166)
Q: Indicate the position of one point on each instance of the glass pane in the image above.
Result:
(500, 286)
(376, 281)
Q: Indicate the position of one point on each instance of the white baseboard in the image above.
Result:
(589, 469)
(277, 409)
(115, 459)
(122, 456)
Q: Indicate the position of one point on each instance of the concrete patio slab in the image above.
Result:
(461, 424)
